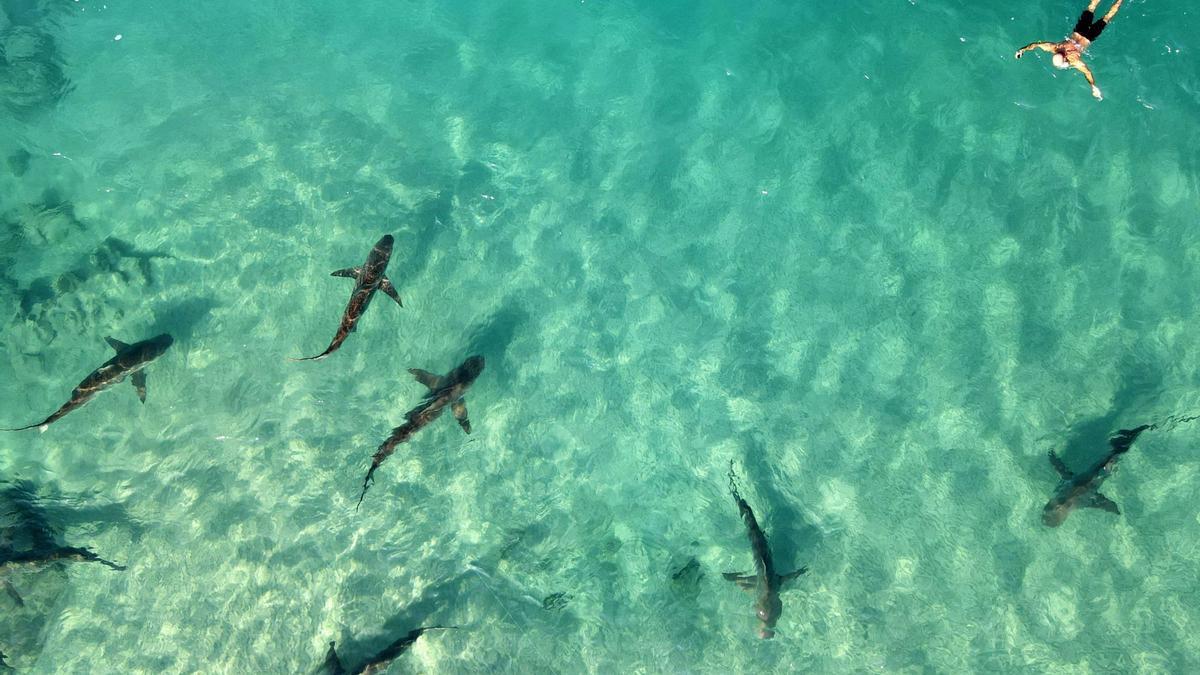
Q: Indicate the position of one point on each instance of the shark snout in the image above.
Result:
(473, 366)
(1054, 514)
(768, 608)
(161, 342)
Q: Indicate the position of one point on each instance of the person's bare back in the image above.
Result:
(1069, 52)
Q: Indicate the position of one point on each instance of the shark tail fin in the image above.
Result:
(334, 345)
(318, 357)
(367, 483)
(40, 426)
(1123, 441)
(111, 565)
(90, 556)
(116, 344)
(425, 629)
(733, 482)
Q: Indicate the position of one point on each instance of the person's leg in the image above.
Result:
(1112, 11)
(1094, 4)
(1084, 25)
(1094, 30)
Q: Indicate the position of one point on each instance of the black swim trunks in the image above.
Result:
(1087, 28)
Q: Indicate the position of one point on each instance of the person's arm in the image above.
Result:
(1044, 46)
(1079, 65)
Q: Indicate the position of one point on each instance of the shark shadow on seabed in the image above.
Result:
(1140, 385)
(493, 337)
(183, 317)
(359, 655)
(113, 264)
(799, 538)
(32, 71)
(33, 572)
(479, 587)
(53, 293)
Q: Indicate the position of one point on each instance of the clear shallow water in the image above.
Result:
(859, 250)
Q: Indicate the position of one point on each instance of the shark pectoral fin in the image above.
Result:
(426, 378)
(1061, 468)
(459, 408)
(744, 582)
(793, 575)
(1103, 503)
(387, 287)
(349, 272)
(116, 344)
(139, 383)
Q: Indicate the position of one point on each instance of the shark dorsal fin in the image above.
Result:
(116, 344)
(426, 378)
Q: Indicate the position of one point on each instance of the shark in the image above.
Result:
(1083, 489)
(445, 390)
(129, 362)
(368, 278)
(333, 665)
(765, 583)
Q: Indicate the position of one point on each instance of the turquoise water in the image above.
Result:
(858, 249)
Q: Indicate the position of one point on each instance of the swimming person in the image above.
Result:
(1069, 52)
